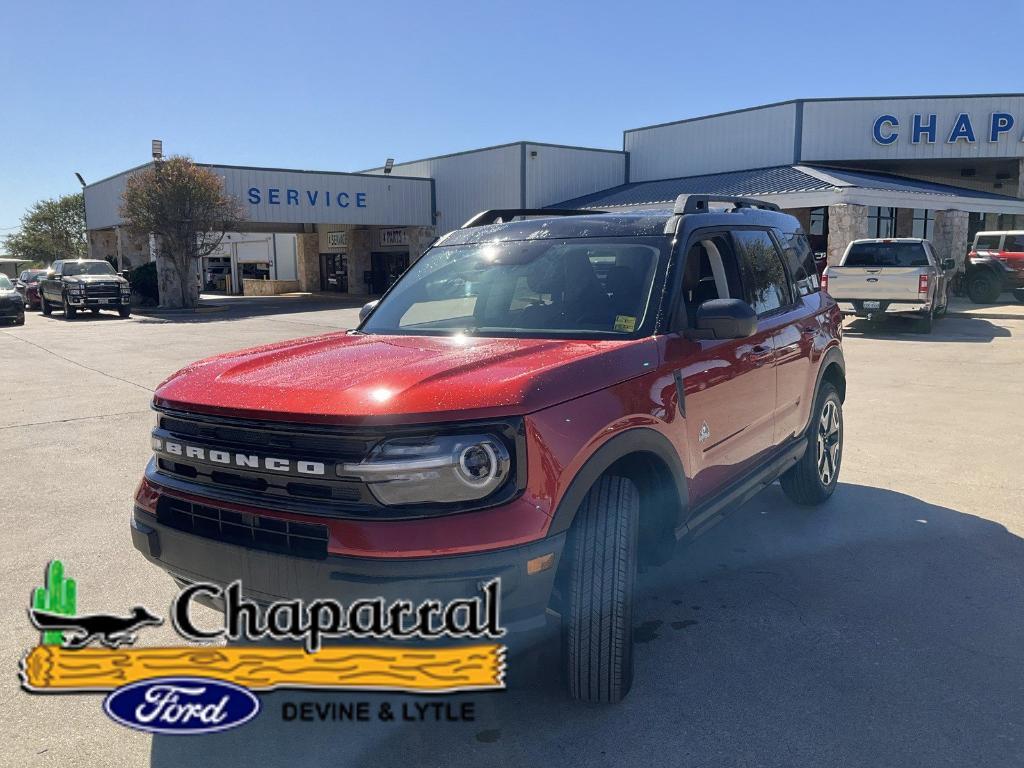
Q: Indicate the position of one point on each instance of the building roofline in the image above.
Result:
(818, 100)
(500, 146)
(262, 168)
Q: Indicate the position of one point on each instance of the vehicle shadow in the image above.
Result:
(877, 630)
(963, 329)
(242, 308)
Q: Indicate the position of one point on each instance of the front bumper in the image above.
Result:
(12, 311)
(268, 576)
(856, 308)
(93, 302)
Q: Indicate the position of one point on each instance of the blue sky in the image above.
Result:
(341, 85)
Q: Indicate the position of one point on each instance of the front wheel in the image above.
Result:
(44, 305)
(69, 311)
(983, 287)
(813, 479)
(124, 311)
(598, 623)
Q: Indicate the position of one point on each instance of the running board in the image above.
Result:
(712, 511)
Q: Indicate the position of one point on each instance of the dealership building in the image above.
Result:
(939, 167)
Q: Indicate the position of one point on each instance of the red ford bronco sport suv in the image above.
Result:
(551, 397)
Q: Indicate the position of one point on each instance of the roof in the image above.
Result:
(774, 180)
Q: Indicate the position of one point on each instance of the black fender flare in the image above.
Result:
(833, 354)
(632, 441)
(993, 267)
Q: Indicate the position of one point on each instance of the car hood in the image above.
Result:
(354, 378)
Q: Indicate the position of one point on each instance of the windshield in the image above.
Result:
(596, 288)
(5, 283)
(72, 268)
(33, 277)
(886, 255)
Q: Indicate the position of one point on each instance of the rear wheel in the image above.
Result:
(925, 323)
(44, 305)
(813, 479)
(983, 287)
(20, 320)
(940, 311)
(69, 311)
(598, 623)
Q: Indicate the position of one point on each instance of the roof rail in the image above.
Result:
(686, 204)
(506, 215)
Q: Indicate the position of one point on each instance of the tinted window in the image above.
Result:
(711, 272)
(988, 242)
(568, 288)
(1014, 244)
(800, 260)
(87, 268)
(5, 283)
(886, 255)
(765, 283)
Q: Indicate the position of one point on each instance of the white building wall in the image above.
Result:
(843, 129)
(468, 182)
(754, 138)
(274, 196)
(556, 173)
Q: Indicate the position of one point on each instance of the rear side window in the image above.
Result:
(1014, 244)
(988, 242)
(800, 259)
(886, 255)
(765, 283)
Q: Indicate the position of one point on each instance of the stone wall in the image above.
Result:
(949, 236)
(102, 244)
(307, 261)
(845, 223)
(904, 222)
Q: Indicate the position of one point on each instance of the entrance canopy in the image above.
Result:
(804, 186)
(273, 197)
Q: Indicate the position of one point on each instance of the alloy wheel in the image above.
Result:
(828, 442)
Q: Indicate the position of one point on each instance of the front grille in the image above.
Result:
(269, 534)
(271, 464)
(102, 290)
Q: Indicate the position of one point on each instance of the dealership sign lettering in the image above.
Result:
(313, 198)
(927, 129)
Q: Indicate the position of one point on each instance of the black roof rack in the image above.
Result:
(686, 204)
(506, 215)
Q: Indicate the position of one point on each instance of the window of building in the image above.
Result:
(818, 221)
(881, 221)
(924, 223)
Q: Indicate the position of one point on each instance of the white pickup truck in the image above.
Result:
(882, 277)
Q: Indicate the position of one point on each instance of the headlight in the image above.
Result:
(439, 469)
(126, 289)
(77, 289)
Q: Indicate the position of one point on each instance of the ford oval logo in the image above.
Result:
(181, 705)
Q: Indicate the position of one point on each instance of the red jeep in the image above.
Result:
(552, 397)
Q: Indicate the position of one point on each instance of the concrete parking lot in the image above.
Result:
(886, 628)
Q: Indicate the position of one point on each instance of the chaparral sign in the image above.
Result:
(927, 128)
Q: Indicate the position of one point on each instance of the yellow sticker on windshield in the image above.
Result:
(625, 323)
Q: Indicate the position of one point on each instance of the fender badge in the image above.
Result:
(705, 432)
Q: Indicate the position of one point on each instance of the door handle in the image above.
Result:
(760, 353)
(809, 331)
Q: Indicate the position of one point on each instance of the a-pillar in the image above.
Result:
(845, 223)
(307, 261)
(949, 236)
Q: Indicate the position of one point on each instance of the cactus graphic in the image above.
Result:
(58, 596)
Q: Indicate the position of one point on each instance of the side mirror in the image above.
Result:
(724, 319)
(367, 308)
(948, 264)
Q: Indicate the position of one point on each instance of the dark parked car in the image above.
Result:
(28, 286)
(12, 306)
(74, 284)
(554, 401)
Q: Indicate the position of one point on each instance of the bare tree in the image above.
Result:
(185, 207)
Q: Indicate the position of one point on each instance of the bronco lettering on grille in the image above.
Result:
(245, 460)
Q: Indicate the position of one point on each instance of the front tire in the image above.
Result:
(598, 631)
(813, 479)
(125, 312)
(69, 311)
(44, 305)
(983, 287)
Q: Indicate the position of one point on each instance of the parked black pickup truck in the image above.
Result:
(74, 284)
